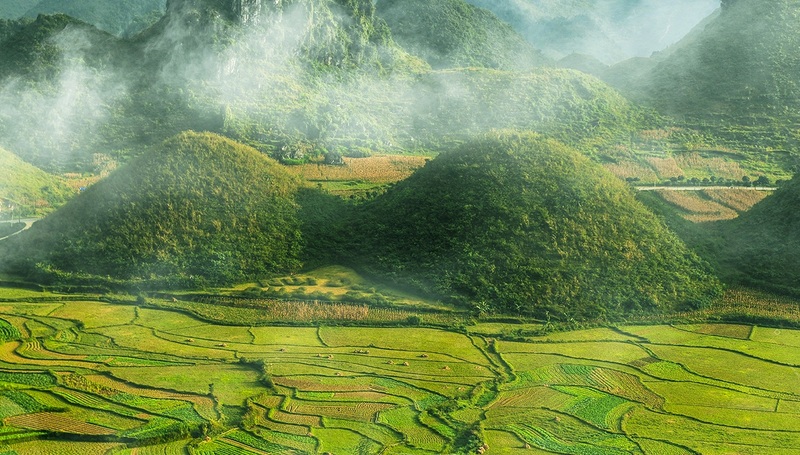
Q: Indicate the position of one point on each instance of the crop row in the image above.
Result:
(405, 420)
(57, 422)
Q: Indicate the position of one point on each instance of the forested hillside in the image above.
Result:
(762, 247)
(120, 17)
(294, 81)
(516, 223)
(453, 33)
(743, 63)
(198, 208)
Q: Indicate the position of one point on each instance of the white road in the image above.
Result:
(28, 223)
(700, 188)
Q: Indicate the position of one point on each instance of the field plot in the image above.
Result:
(697, 208)
(702, 388)
(712, 204)
(149, 381)
(359, 174)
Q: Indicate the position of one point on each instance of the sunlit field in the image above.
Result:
(85, 376)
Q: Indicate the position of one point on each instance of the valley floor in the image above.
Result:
(80, 375)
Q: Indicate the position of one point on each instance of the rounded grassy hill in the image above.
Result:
(28, 187)
(198, 207)
(516, 223)
(762, 247)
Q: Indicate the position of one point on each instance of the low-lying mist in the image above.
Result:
(608, 30)
(303, 76)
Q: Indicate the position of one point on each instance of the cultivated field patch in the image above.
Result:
(168, 383)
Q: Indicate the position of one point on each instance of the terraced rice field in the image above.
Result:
(712, 204)
(98, 378)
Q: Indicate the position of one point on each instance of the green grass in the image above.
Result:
(405, 420)
(335, 440)
(95, 315)
(709, 396)
(232, 383)
(423, 341)
(694, 434)
(614, 352)
(66, 447)
(732, 367)
(10, 293)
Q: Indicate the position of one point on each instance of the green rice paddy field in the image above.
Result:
(87, 377)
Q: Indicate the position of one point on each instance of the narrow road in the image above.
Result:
(28, 223)
(700, 188)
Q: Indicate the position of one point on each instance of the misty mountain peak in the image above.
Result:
(241, 11)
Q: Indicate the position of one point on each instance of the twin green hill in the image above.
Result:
(512, 223)
(506, 223)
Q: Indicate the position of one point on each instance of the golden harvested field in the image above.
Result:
(374, 169)
(697, 208)
(55, 421)
(713, 204)
(665, 167)
(716, 166)
(739, 199)
(632, 169)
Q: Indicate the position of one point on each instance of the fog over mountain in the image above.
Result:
(609, 30)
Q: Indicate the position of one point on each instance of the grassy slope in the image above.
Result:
(742, 63)
(453, 33)
(30, 186)
(118, 17)
(520, 224)
(761, 247)
(198, 205)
